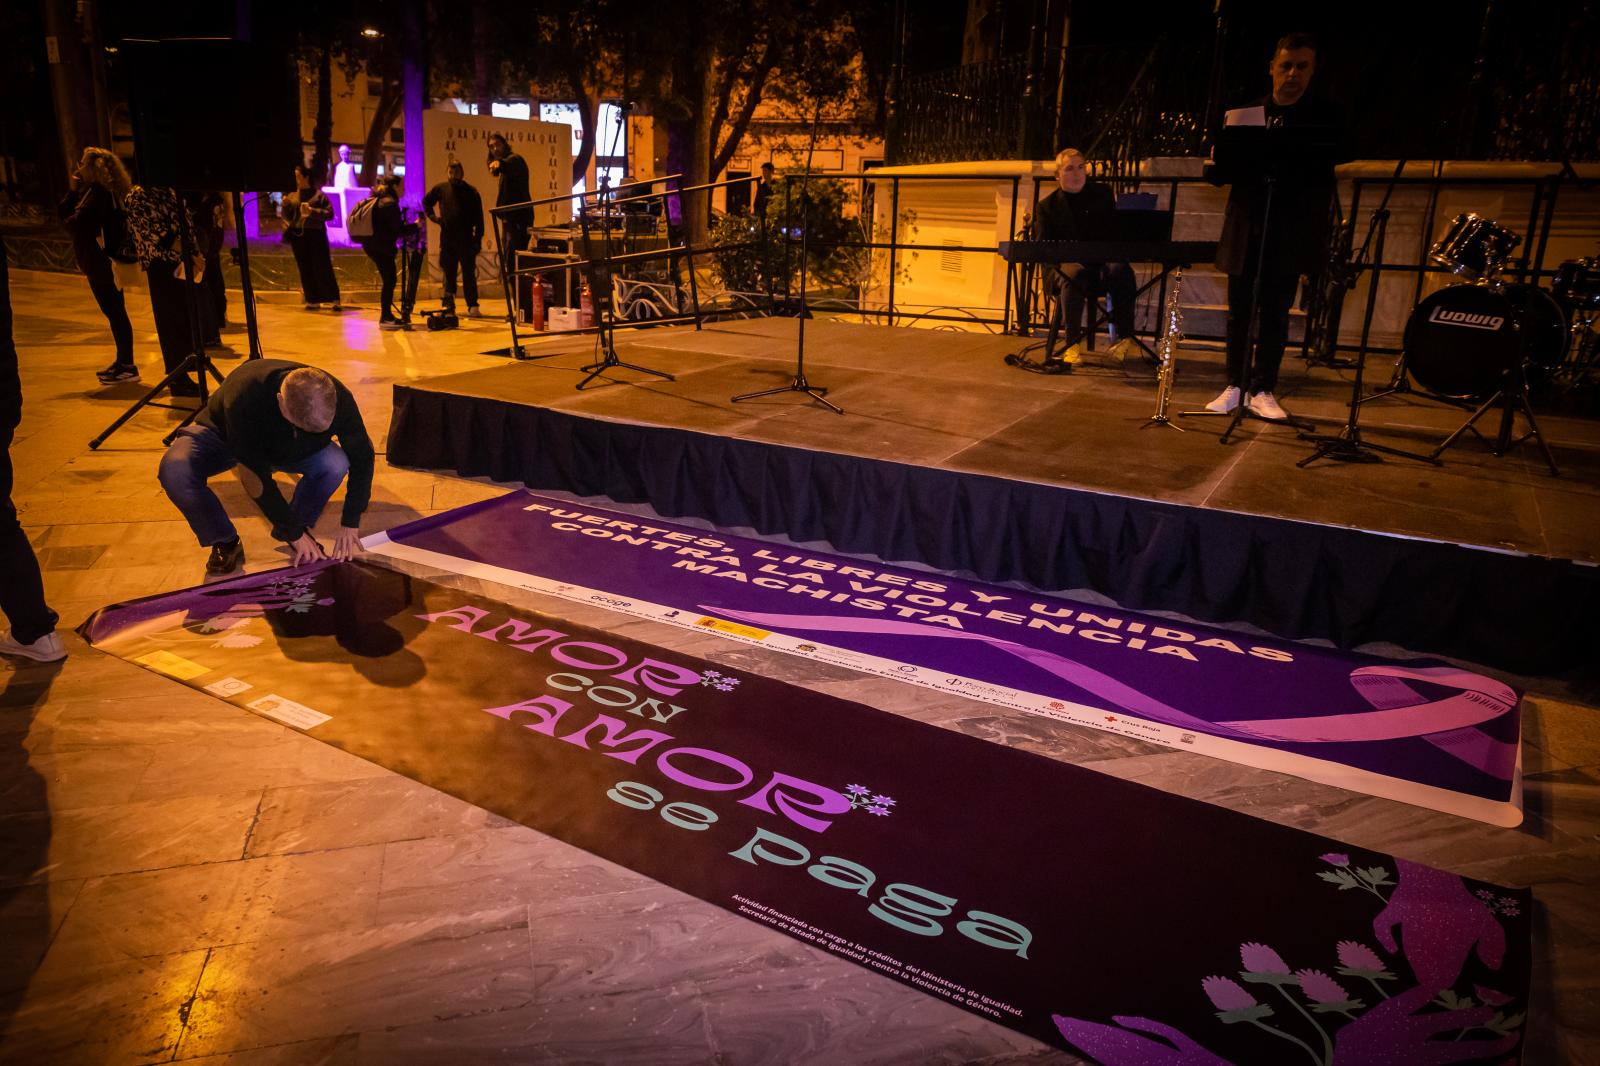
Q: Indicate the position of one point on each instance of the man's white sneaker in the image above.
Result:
(1226, 401)
(47, 649)
(1265, 405)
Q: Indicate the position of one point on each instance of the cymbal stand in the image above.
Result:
(1347, 446)
(1171, 334)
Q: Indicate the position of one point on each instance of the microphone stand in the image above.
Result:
(800, 384)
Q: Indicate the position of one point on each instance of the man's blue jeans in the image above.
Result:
(199, 454)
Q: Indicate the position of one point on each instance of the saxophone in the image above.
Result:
(1167, 352)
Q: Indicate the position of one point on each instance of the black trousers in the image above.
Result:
(21, 584)
(513, 239)
(318, 283)
(1272, 334)
(1074, 283)
(169, 302)
(462, 255)
(383, 259)
(103, 283)
(216, 286)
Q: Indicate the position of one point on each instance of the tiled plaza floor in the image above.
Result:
(181, 880)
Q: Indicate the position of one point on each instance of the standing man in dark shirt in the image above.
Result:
(512, 171)
(457, 209)
(1080, 210)
(272, 414)
(763, 191)
(1296, 238)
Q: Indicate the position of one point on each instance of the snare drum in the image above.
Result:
(1473, 247)
(1577, 283)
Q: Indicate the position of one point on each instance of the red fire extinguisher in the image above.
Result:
(585, 308)
(536, 304)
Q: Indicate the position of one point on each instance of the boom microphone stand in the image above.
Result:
(600, 294)
(800, 384)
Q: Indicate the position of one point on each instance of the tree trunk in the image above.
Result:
(414, 77)
(322, 132)
(483, 89)
(383, 118)
(697, 207)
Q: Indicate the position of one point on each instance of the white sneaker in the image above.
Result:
(47, 649)
(1226, 401)
(1265, 405)
(473, 312)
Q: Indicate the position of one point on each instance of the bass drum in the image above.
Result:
(1460, 341)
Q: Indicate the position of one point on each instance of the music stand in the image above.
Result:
(599, 273)
(1269, 154)
(799, 383)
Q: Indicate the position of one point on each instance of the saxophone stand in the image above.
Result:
(1347, 446)
(1170, 336)
(197, 360)
(600, 294)
(799, 383)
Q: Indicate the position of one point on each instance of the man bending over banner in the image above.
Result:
(272, 414)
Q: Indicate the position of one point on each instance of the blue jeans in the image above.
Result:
(199, 454)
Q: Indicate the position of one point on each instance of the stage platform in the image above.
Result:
(947, 457)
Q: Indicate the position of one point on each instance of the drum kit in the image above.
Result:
(1484, 341)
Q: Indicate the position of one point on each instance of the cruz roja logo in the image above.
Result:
(1466, 318)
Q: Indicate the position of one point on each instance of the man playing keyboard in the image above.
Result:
(1081, 210)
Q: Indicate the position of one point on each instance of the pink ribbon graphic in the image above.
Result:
(1400, 711)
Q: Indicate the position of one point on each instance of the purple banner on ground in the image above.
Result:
(1028, 891)
(1421, 731)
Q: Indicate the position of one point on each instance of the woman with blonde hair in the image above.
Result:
(93, 212)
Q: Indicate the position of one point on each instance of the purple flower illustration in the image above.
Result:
(1226, 994)
(1358, 956)
(857, 790)
(1321, 988)
(886, 801)
(1484, 894)
(1334, 858)
(1260, 959)
(875, 809)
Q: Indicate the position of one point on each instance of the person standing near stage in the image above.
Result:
(380, 246)
(306, 212)
(1297, 235)
(32, 634)
(1080, 210)
(512, 171)
(764, 185)
(156, 219)
(457, 209)
(92, 210)
(273, 415)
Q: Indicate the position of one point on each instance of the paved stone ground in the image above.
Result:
(181, 880)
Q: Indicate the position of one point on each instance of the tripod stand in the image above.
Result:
(1511, 397)
(600, 293)
(1347, 446)
(799, 383)
(197, 360)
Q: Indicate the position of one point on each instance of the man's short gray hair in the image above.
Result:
(1061, 156)
(309, 398)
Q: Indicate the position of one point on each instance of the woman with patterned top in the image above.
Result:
(92, 210)
(153, 219)
(306, 212)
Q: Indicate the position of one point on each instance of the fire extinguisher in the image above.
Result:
(536, 305)
(585, 308)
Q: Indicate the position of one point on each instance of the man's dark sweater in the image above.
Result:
(458, 209)
(244, 412)
(1085, 215)
(513, 172)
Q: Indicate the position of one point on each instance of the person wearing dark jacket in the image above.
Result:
(457, 209)
(1080, 210)
(380, 246)
(1296, 234)
(512, 172)
(156, 219)
(92, 210)
(32, 634)
(306, 212)
(271, 415)
(206, 210)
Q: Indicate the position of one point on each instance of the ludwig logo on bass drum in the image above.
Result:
(1466, 318)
